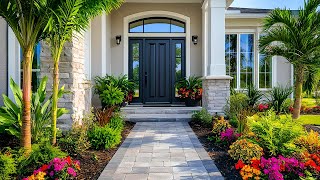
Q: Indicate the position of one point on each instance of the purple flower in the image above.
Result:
(71, 171)
(228, 135)
(51, 173)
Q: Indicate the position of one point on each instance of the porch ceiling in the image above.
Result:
(164, 1)
(229, 2)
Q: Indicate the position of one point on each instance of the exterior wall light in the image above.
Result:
(118, 39)
(195, 40)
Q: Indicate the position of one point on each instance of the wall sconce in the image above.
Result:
(118, 39)
(195, 40)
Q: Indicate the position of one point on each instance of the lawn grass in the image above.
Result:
(309, 102)
(310, 119)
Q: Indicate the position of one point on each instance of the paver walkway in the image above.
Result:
(161, 150)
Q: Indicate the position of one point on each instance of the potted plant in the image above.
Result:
(190, 90)
(126, 86)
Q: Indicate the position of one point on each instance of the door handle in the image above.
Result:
(145, 78)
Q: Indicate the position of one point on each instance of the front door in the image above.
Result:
(154, 65)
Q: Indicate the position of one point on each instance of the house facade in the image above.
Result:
(156, 43)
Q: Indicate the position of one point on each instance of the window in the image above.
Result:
(157, 25)
(246, 59)
(35, 68)
(239, 50)
(135, 67)
(265, 72)
(231, 57)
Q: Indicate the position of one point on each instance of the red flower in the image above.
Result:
(239, 165)
(69, 161)
(44, 168)
(255, 164)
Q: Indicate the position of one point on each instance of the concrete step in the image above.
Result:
(159, 110)
(158, 114)
(158, 117)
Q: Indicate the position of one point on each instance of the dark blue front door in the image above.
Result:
(155, 64)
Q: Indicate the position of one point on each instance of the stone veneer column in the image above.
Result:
(216, 91)
(216, 85)
(72, 76)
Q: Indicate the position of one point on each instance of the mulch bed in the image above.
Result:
(93, 162)
(217, 153)
(312, 127)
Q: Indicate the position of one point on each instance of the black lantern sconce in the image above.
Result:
(118, 39)
(195, 40)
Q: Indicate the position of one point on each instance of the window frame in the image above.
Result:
(239, 33)
(273, 67)
(166, 18)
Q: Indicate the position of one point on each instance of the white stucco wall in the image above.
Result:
(3, 59)
(193, 11)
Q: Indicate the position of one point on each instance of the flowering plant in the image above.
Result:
(278, 168)
(190, 88)
(249, 171)
(245, 150)
(263, 107)
(229, 135)
(313, 163)
(58, 168)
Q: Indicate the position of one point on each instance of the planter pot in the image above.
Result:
(192, 102)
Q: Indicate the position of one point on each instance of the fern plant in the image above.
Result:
(275, 134)
(112, 96)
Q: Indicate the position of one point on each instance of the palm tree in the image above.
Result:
(27, 19)
(294, 36)
(71, 16)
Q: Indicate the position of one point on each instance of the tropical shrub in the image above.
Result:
(220, 126)
(111, 96)
(190, 88)
(116, 123)
(278, 96)
(103, 116)
(76, 140)
(275, 134)
(7, 166)
(310, 142)
(235, 104)
(203, 117)
(245, 151)
(104, 137)
(58, 168)
(11, 113)
(41, 153)
(254, 95)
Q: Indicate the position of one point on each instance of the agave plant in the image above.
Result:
(11, 112)
(254, 95)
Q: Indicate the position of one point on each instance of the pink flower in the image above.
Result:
(71, 171)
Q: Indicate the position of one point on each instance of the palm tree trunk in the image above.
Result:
(299, 76)
(26, 87)
(55, 99)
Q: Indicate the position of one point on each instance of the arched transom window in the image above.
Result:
(157, 25)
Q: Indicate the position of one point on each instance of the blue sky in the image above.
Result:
(268, 4)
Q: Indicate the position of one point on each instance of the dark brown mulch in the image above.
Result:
(217, 152)
(8, 141)
(93, 162)
(312, 127)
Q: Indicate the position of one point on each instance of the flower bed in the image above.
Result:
(269, 147)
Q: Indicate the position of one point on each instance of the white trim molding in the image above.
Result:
(147, 14)
(13, 60)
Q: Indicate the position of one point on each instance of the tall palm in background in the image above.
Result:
(27, 19)
(71, 17)
(296, 37)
